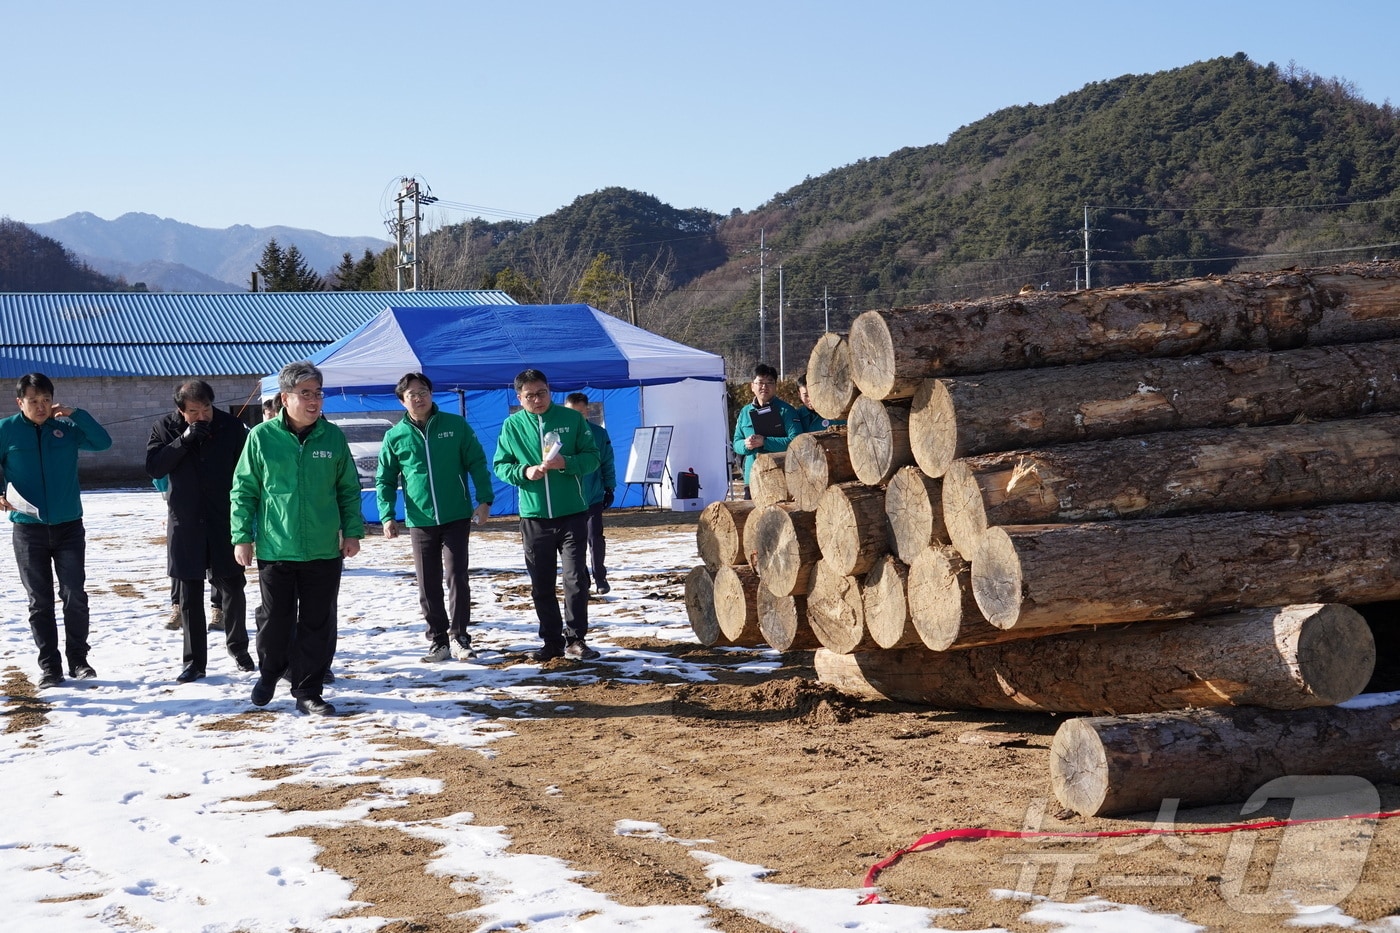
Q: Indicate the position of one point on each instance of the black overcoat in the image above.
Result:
(200, 476)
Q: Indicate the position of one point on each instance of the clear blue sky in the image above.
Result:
(307, 113)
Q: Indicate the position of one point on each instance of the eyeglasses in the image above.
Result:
(764, 384)
(534, 396)
(308, 395)
(419, 394)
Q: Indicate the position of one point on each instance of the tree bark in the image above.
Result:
(836, 611)
(814, 462)
(783, 622)
(884, 593)
(736, 605)
(1044, 577)
(829, 387)
(781, 542)
(914, 510)
(719, 534)
(1292, 657)
(852, 531)
(767, 482)
(1112, 765)
(700, 606)
(877, 438)
(952, 418)
(891, 350)
(941, 606)
(1174, 473)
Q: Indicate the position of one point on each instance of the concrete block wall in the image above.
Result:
(129, 406)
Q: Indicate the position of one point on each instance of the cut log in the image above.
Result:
(814, 462)
(719, 534)
(886, 604)
(1042, 577)
(1292, 657)
(830, 390)
(952, 418)
(941, 606)
(736, 605)
(836, 611)
(767, 481)
(1112, 765)
(852, 532)
(1174, 473)
(891, 350)
(781, 542)
(700, 606)
(783, 622)
(914, 510)
(877, 439)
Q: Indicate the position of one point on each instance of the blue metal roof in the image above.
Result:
(76, 334)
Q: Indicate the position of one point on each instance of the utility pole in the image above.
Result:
(782, 344)
(1087, 284)
(762, 314)
(826, 310)
(406, 241)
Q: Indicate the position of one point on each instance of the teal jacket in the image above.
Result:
(603, 479)
(434, 462)
(301, 497)
(521, 444)
(41, 462)
(810, 421)
(743, 427)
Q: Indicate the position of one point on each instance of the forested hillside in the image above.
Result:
(1219, 165)
(31, 262)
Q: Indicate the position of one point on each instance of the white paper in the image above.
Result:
(18, 503)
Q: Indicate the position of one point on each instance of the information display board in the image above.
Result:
(646, 461)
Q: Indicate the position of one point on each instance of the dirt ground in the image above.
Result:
(780, 771)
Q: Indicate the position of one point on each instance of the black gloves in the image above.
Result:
(607, 498)
(196, 433)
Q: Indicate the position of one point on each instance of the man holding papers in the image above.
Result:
(765, 425)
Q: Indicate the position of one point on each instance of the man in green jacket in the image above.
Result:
(434, 452)
(296, 485)
(39, 488)
(598, 489)
(765, 425)
(547, 451)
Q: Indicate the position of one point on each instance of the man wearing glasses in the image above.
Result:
(547, 451)
(767, 424)
(434, 452)
(297, 488)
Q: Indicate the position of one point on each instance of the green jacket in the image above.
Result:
(809, 421)
(521, 444)
(434, 462)
(603, 479)
(301, 497)
(41, 462)
(743, 427)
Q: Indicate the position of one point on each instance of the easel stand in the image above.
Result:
(646, 462)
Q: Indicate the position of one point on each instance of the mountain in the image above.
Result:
(227, 255)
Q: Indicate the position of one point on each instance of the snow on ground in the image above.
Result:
(121, 812)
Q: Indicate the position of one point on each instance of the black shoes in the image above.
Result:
(579, 651)
(314, 706)
(244, 662)
(190, 674)
(602, 588)
(81, 671)
(50, 679)
(263, 691)
(547, 653)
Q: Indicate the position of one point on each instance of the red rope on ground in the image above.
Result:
(943, 837)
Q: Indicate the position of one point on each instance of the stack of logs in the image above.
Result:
(1154, 501)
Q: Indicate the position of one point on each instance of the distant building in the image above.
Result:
(120, 355)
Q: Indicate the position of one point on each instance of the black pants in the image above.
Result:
(597, 546)
(440, 549)
(43, 552)
(228, 593)
(550, 542)
(298, 632)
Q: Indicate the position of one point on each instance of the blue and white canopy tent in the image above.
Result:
(474, 353)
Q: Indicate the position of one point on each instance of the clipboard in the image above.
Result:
(768, 421)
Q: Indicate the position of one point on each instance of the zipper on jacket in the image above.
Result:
(428, 459)
(548, 502)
